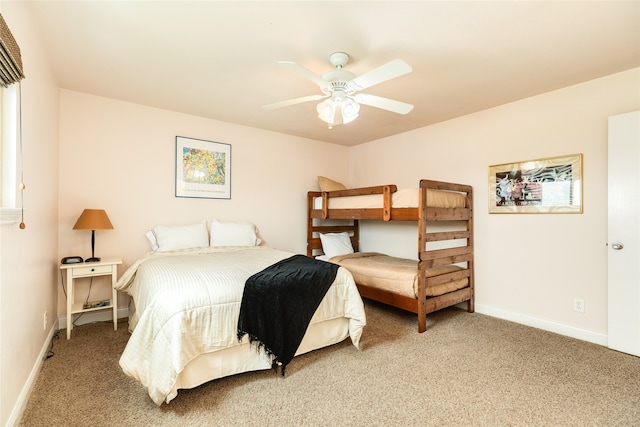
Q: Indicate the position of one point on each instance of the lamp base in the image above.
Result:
(92, 259)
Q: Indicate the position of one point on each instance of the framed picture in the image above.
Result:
(203, 168)
(552, 185)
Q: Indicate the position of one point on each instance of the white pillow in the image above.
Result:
(334, 244)
(169, 238)
(153, 242)
(233, 233)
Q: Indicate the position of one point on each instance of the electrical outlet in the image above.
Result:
(44, 318)
(578, 305)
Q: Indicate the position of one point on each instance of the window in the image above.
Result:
(10, 212)
(10, 132)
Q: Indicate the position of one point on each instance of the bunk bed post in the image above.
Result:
(309, 224)
(355, 239)
(470, 266)
(422, 243)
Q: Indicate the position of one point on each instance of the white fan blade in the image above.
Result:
(383, 73)
(384, 103)
(308, 74)
(293, 101)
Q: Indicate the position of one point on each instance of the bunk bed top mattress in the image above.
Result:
(404, 198)
(397, 275)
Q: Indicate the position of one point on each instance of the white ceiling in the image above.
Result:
(218, 59)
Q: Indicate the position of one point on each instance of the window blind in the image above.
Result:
(10, 58)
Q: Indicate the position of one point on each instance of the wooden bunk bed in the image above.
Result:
(323, 213)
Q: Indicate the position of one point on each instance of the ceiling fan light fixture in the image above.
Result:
(338, 111)
(350, 110)
(326, 110)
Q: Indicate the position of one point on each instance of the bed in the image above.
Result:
(184, 316)
(443, 273)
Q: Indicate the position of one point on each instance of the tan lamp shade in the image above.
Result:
(93, 219)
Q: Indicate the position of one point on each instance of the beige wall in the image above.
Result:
(28, 268)
(529, 268)
(120, 157)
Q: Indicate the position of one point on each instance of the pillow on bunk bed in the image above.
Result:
(335, 244)
(169, 238)
(327, 184)
(233, 233)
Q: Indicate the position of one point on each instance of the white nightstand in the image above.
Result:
(106, 267)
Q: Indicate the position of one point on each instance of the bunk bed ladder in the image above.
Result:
(441, 257)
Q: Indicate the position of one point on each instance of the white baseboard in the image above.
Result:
(93, 316)
(25, 393)
(546, 325)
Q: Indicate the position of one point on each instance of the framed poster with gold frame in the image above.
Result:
(551, 185)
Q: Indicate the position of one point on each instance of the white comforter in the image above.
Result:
(187, 303)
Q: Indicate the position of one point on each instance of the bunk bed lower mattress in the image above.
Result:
(396, 275)
(407, 198)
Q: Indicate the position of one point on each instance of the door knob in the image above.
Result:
(617, 246)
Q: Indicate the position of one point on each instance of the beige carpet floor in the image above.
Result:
(466, 370)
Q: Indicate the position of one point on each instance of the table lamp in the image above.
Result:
(93, 219)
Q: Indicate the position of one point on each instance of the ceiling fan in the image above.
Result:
(341, 88)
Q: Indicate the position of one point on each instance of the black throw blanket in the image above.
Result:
(279, 302)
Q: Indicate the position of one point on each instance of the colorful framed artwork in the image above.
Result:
(203, 169)
(552, 185)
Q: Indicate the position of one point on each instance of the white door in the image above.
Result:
(624, 233)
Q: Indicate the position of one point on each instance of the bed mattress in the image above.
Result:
(407, 198)
(397, 275)
(187, 305)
